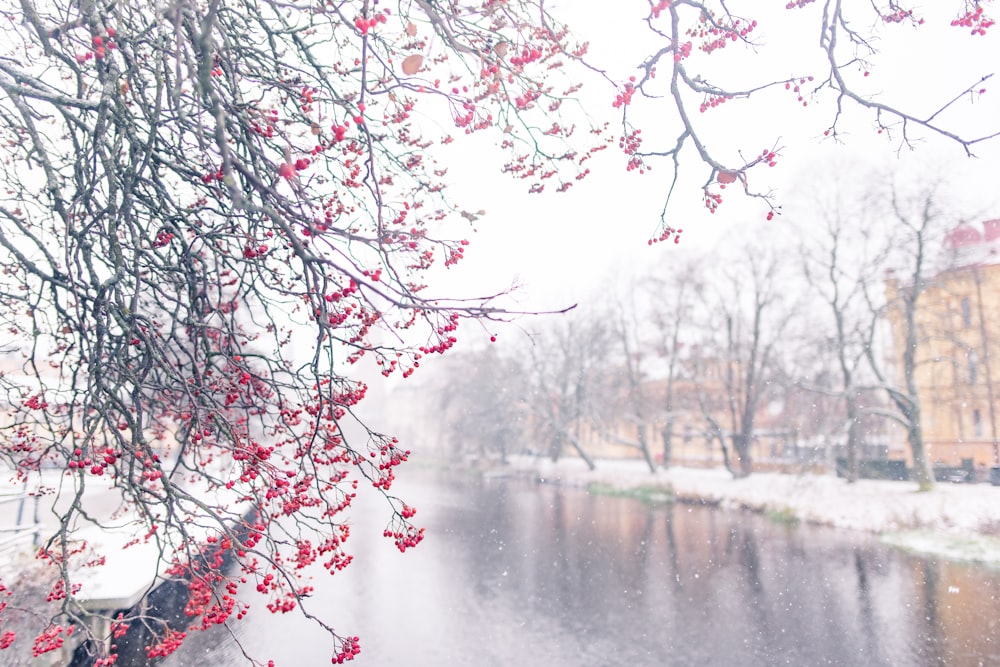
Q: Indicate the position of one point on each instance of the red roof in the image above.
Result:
(992, 229)
(964, 235)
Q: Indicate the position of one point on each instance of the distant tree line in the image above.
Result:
(716, 343)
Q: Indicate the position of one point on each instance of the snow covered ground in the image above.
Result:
(133, 562)
(956, 521)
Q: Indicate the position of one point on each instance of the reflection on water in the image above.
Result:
(518, 574)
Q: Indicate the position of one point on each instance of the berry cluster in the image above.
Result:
(349, 647)
(365, 24)
(625, 97)
(795, 86)
(683, 52)
(714, 34)
(712, 201)
(163, 238)
(167, 644)
(656, 9)
(976, 20)
(899, 16)
(36, 402)
(50, 639)
(668, 231)
(100, 45)
(712, 101)
(405, 538)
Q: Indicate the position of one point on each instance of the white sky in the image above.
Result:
(563, 246)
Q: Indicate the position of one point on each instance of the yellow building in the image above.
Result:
(957, 364)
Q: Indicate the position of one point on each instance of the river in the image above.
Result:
(517, 574)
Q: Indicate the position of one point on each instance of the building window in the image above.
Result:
(977, 424)
(966, 312)
(973, 366)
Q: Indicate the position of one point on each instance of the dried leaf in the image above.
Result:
(500, 49)
(411, 64)
(411, 29)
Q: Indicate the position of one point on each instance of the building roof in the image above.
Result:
(969, 244)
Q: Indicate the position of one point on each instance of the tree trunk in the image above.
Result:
(502, 446)
(725, 453)
(921, 463)
(667, 435)
(555, 447)
(716, 433)
(583, 455)
(644, 447)
(852, 437)
(741, 446)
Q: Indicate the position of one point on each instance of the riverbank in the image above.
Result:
(954, 521)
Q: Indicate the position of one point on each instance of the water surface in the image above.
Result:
(518, 574)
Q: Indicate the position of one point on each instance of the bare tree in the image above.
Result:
(845, 254)
(567, 363)
(633, 405)
(751, 312)
(671, 312)
(689, 92)
(484, 404)
(212, 214)
(918, 237)
(706, 369)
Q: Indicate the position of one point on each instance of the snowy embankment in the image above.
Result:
(958, 521)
